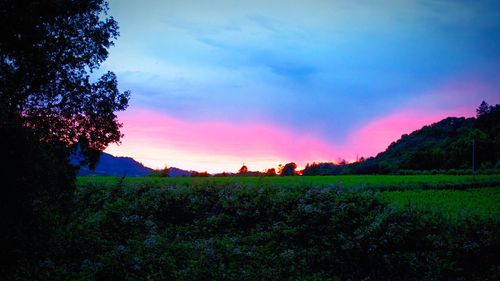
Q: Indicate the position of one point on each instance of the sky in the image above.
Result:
(219, 84)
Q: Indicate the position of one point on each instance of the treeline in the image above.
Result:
(288, 169)
(326, 169)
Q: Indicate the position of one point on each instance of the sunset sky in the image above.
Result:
(216, 84)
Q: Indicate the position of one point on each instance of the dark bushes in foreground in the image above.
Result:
(264, 233)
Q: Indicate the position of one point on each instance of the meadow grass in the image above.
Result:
(437, 193)
(284, 228)
(453, 204)
(343, 180)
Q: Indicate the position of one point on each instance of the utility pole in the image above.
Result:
(473, 157)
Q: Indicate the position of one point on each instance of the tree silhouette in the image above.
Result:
(270, 172)
(341, 161)
(50, 105)
(164, 172)
(48, 51)
(243, 170)
(288, 169)
(483, 109)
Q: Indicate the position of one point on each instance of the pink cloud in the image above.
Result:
(157, 139)
(457, 97)
(378, 134)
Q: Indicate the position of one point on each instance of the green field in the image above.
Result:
(448, 195)
(285, 228)
(344, 180)
(453, 204)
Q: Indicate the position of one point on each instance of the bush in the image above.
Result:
(233, 232)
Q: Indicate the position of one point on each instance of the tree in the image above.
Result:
(204, 174)
(243, 170)
(50, 105)
(270, 172)
(288, 169)
(483, 109)
(164, 172)
(341, 161)
(48, 52)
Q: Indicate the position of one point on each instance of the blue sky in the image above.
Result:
(326, 69)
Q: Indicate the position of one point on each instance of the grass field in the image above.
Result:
(344, 180)
(278, 228)
(437, 193)
(453, 204)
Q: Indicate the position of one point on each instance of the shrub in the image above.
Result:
(234, 232)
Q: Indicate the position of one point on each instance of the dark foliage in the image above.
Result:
(233, 232)
(36, 195)
(48, 49)
(270, 172)
(243, 170)
(49, 106)
(288, 169)
(204, 174)
(447, 145)
(323, 169)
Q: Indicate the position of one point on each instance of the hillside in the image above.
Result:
(444, 145)
(447, 144)
(110, 165)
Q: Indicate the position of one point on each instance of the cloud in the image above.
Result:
(336, 72)
(155, 139)
(375, 136)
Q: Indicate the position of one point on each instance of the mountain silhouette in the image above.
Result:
(110, 165)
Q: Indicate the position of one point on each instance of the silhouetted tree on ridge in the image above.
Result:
(483, 109)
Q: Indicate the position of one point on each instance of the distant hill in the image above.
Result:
(444, 145)
(176, 172)
(110, 165)
(447, 144)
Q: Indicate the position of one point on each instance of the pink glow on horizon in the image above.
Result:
(156, 140)
(377, 135)
(458, 97)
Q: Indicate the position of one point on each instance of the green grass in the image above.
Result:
(453, 204)
(344, 180)
(413, 191)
